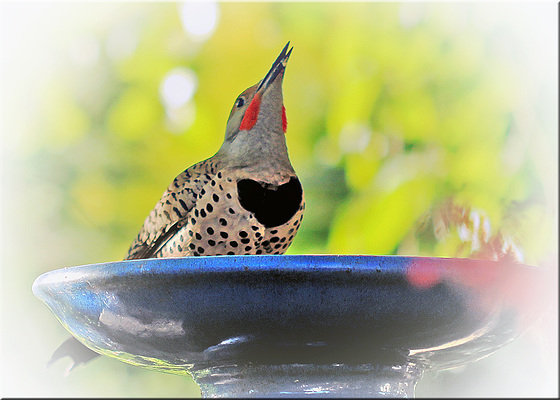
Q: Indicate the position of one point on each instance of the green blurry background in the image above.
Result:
(416, 129)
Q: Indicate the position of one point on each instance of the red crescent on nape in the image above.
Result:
(284, 119)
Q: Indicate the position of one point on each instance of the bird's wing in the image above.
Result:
(171, 212)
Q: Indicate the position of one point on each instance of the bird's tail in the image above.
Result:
(72, 348)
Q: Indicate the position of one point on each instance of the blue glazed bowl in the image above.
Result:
(184, 314)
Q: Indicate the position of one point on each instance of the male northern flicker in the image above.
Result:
(246, 199)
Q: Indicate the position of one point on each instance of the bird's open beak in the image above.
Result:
(277, 67)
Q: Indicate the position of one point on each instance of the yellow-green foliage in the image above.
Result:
(392, 108)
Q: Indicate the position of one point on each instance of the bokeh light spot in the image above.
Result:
(354, 137)
(178, 120)
(199, 18)
(178, 87)
(411, 14)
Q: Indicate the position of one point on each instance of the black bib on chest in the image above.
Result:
(272, 205)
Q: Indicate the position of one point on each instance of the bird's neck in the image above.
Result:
(257, 151)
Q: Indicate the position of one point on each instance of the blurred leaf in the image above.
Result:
(375, 225)
(135, 114)
(96, 199)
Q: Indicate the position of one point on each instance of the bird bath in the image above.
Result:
(270, 326)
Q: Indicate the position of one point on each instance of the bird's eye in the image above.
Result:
(240, 102)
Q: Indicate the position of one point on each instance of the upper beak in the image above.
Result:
(277, 67)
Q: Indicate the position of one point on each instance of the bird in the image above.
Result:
(244, 200)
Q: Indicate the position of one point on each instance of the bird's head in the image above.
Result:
(257, 121)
